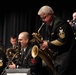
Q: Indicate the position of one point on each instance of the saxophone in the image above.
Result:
(45, 55)
(10, 52)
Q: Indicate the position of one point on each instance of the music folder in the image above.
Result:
(22, 71)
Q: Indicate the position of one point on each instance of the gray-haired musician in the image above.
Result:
(58, 36)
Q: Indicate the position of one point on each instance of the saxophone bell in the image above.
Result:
(34, 51)
(43, 55)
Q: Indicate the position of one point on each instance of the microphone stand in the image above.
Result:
(19, 48)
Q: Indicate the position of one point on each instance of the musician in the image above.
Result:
(12, 48)
(25, 59)
(73, 23)
(13, 41)
(58, 36)
(3, 61)
(2, 47)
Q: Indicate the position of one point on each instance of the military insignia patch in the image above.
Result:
(33, 61)
(52, 33)
(61, 33)
(1, 62)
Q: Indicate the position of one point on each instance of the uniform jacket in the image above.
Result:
(59, 34)
(3, 61)
(61, 41)
(27, 61)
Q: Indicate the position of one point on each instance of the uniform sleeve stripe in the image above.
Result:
(57, 43)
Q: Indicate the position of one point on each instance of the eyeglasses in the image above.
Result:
(44, 17)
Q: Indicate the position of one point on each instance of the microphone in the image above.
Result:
(19, 47)
(41, 27)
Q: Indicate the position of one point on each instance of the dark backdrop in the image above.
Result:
(22, 16)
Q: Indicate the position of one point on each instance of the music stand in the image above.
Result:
(22, 71)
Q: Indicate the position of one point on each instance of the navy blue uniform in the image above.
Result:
(61, 41)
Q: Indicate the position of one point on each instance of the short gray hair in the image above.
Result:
(45, 9)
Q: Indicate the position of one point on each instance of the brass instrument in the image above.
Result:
(4, 71)
(46, 55)
(37, 37)
(10, 52)
(43, 55)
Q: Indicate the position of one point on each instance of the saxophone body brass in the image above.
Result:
(46, 55)
(43, 55)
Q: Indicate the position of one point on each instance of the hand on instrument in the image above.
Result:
(12, 66)
(44, 45)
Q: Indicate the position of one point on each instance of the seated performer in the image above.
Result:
(3, 61)
(25, 59)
